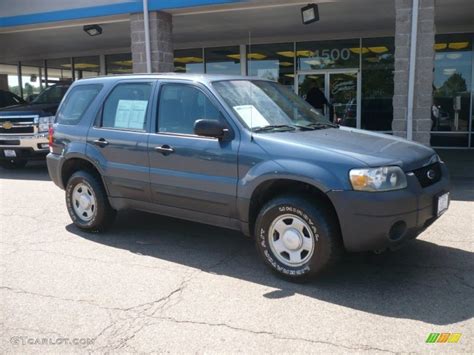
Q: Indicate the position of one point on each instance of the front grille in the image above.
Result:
(428, 175)
(17, 124)
(17, 130)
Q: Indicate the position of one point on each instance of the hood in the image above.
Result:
(369, 148)
(30, 109)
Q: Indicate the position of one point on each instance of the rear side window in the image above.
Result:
(126, 107)
(77, 102)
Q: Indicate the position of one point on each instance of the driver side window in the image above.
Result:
(180, 106)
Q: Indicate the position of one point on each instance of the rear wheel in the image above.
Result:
(13, 164)
(297, 238)
(87, 202)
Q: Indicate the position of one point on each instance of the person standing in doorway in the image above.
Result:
(315, 97)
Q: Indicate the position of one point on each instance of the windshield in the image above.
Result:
(51, 95)
(265, 106)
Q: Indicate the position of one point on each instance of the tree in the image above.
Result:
(455, 85)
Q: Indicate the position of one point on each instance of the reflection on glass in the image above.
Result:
(343, 98)
(327, 54)
(452, 89)
(223, 60)
(272, 61)
(86, 67)
(377, 83)
(32, 79)
(119, 64)
(188, 61)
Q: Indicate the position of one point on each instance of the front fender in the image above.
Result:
(285, 169)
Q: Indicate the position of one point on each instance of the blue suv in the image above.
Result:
(244, 154)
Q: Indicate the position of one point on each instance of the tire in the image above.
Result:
(305, 234)
(13, 164)
(85, 193)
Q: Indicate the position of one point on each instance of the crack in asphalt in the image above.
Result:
(89, 302)
(134, 320)
(273, 334)
(138, 317)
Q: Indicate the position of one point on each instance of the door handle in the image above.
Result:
(101, 142)
(165, 149)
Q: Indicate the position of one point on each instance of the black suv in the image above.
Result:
(244, 154)
(8, 98)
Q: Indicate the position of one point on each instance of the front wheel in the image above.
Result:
(87, 202)
(297, 238)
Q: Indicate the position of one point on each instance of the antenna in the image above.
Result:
(249, 57)
(250, 52)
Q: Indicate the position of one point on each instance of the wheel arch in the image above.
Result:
(77, 163)
(272, 188)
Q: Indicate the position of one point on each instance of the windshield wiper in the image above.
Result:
(322, 125)
(304, 127)
(279, 127)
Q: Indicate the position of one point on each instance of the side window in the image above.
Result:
(77, 102)
(126, 106)
(181, 105)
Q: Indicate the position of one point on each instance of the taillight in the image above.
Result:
(50, 138)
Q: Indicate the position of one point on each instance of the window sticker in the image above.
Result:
(131, 114)
(251, 116)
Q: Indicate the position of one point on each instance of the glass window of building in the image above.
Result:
(272, 61)
(33, 79)
(119, 64)
(452, 90)
(189, 61)
(86, 67)
(377, 83)
(328, 54)
(59, 70)
(223, 60)
(9, 78)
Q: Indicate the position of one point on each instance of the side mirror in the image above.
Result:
(210, 128)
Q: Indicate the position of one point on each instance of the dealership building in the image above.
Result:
(403, 67)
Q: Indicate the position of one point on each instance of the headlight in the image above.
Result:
(44, 123)
(385, 178)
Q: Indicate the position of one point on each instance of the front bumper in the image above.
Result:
(26, 147)
(367, 218)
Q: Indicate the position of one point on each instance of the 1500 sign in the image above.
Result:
(333, 54)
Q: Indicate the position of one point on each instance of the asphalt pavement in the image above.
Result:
(157, 284)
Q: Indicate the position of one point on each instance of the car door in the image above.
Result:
(119, 140)
(187, 171)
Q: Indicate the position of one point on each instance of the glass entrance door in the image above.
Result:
(343, 98)
(336, 94)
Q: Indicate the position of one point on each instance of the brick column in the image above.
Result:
(424, 69)
(161, 42)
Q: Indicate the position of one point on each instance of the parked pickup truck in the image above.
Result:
(245, 154)
(24, 127)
